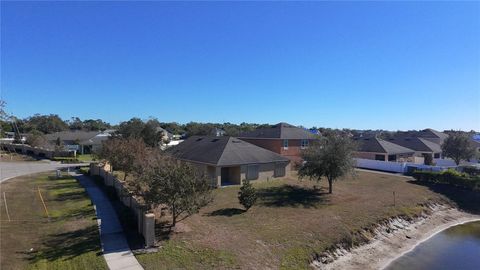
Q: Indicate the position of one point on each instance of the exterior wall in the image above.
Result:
(266, 171)
(369, 155)
(273, 145)
(293, 152)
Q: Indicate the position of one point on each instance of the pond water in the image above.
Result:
(457, 247)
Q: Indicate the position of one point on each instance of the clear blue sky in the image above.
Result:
(366, 65)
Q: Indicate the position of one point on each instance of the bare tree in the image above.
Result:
(179, 186)
(330, 157)
(123, 154)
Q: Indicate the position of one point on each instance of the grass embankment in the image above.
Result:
(68, 240)
(291, 222)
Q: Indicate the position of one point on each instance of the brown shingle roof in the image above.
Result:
(223, 151)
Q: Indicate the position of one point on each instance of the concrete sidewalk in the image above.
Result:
(115, 248)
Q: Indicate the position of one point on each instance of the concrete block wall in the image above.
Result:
(145, 221)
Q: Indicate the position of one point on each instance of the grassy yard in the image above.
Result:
(291, 222)
(85, 158)
(68, 240)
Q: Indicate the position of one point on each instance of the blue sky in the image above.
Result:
(365, 65)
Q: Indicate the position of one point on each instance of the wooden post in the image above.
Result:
(394, 199)
(43, 202)
(6, 206)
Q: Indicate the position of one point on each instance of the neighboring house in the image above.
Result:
(432, 135)
(93, 145)
(166, 135)
(228, 160)
(84, 142)
(421, 146)
(282, 138)
(218, 132)
(428, 134)
(378, 149)
(10, 137)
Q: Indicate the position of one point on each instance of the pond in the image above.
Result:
(457, 247)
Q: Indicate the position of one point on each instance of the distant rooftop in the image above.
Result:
(280, 131)
(223, 151)
(372, 144)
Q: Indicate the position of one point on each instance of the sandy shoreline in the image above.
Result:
(386, 247)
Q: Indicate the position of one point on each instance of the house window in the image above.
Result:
(285, 144)
(436, 155)
(392, 157)
(380, 157)
(252, 172)
(304, 144)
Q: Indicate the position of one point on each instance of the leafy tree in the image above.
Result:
(173, 127)
(330, 157)
(247, 196)
(147, 131)
(151, 133)
(458, 147)
(123, 154)
(179, 186)
(45, 123)
(131, 128)
(75, 124)
(95, 125)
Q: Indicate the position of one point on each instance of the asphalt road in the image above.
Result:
(10, 170)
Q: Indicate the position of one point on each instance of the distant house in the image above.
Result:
(282, 138)
(9, 137)
(378, 149)
(228, 160)
(166, 135)
(218, 132)
(422, 146)
(84, 142)
(432, 135)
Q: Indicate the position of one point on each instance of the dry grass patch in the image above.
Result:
(292, 220)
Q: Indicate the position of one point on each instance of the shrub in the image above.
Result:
(247, 196)
(472, 170)
(450, 177)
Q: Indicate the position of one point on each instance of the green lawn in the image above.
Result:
(85, 158)
(69, 239)
(291, 223)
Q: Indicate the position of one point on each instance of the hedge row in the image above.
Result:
(450, 177)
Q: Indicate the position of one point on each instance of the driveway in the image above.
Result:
(10, 170)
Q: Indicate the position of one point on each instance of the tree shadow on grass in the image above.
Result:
(227, 212)
(291, 196)
(466, 200)
(69, 245)
(71, 196)
(163, 230)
